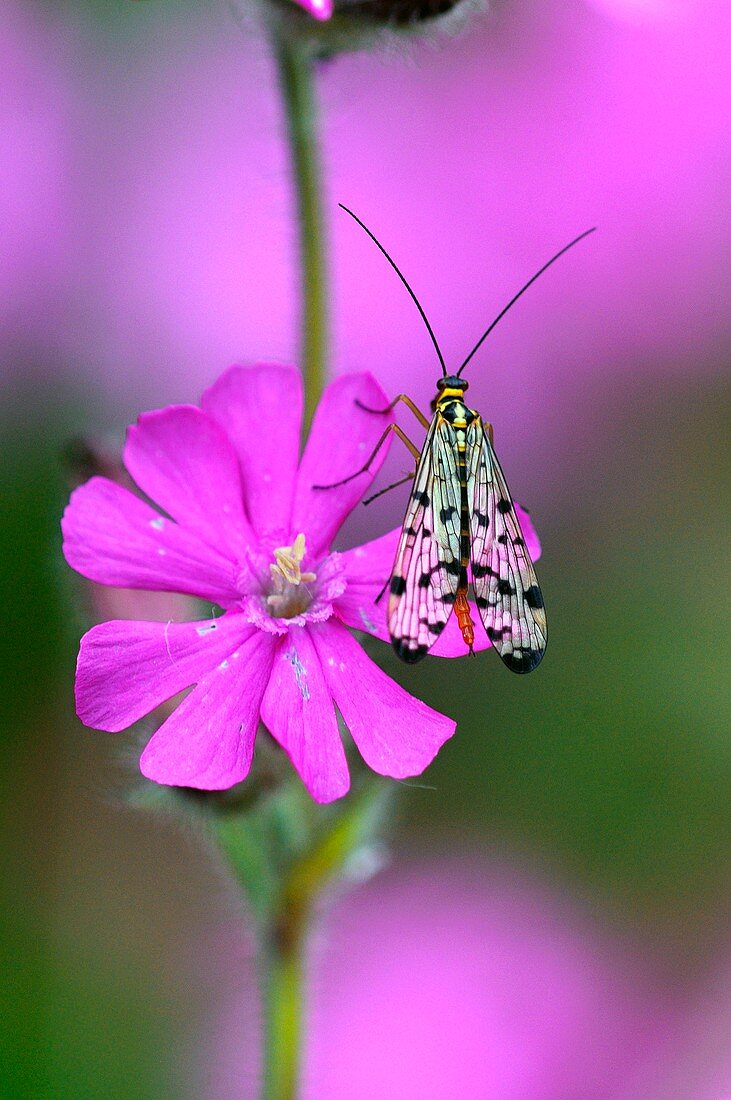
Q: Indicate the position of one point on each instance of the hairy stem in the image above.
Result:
(296, 78)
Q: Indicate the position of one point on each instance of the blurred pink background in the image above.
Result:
(472, 979)
(148, 213)
(147, 242)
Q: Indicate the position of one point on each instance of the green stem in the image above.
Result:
(295, 64)
(284, 852)
(283, 992)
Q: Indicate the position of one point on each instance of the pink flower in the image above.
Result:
(244, 529)
(318, 9)
(465, 981)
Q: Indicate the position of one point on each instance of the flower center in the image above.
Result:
(289, 594)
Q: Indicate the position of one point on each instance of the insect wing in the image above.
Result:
(506, 590)
(426, 570)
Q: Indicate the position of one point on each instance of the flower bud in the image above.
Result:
(329, 27)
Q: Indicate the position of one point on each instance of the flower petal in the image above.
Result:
(183, 461)
(341, 440)
(450, 642)
(208, 742)
(396, 734)
(532, 541)
(298, 711)
(371, 563)
(368, 569)
(260, 409)
(113, 537)
(126, 669)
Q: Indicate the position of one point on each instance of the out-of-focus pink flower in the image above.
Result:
(464, 983)
(647, 11)
(574, 119)
(318, 9)
(35, 99)
(245, 530)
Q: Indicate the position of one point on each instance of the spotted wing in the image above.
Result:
(426, 570)
(506, 589)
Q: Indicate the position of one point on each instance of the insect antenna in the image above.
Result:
(402, 277)
(522, 290)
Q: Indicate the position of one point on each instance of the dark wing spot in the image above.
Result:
(398, 585)
(503, 505)
(424, 580)
(410, 531)
(479, 571)
(435, 627)
(518, 542)
(502, 539)
(495, 635)
(448, 597)
(422, 498)
(523, 660)
(534, 597)
(482, 519)
(505, 588)
(426, 533)
(408, 653)
(483, 603)
(445, 514)
(453, 568)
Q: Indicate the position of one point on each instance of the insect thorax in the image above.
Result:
(452, 408)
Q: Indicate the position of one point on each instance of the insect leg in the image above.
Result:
(393, 485)
(380, 595)
(364, 469)
(407, 402)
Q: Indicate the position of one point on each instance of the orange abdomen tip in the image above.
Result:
(462, 610)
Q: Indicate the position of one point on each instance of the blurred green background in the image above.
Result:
(608, 770)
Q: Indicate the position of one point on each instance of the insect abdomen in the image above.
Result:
(464, 618)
